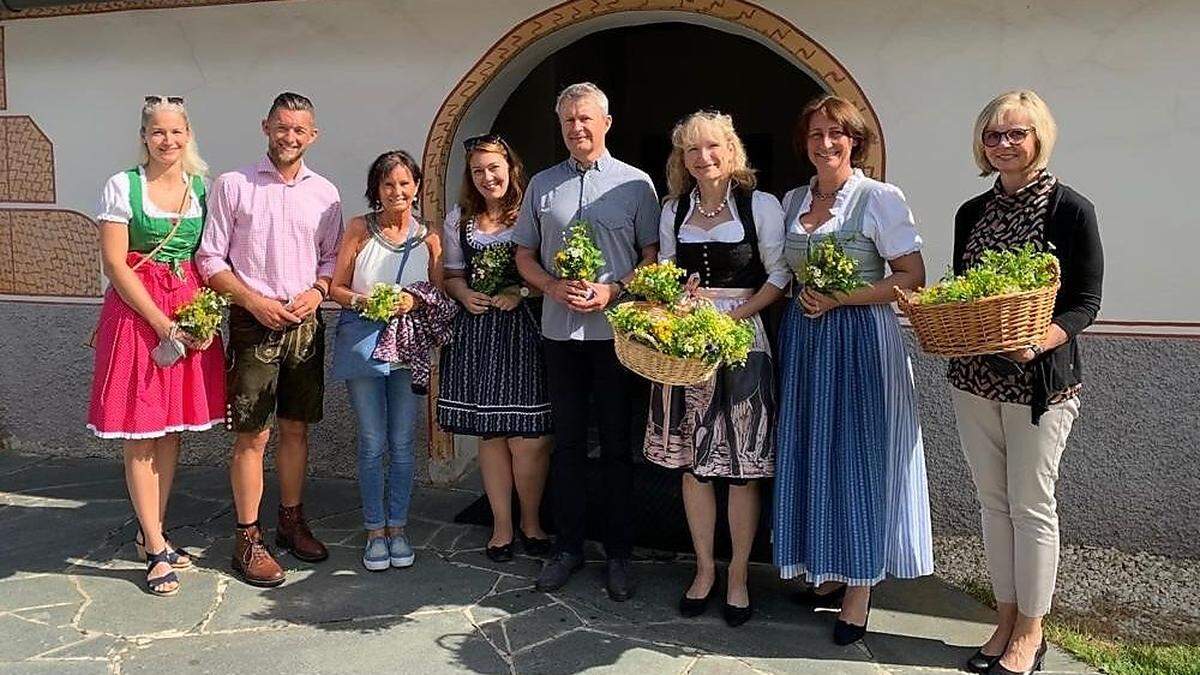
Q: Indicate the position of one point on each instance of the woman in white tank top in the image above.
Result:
(388, 246)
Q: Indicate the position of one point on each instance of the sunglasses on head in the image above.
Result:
(156, 98)
(475, 141)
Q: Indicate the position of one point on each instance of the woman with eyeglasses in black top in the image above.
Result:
(1015, 411)
(493, 380)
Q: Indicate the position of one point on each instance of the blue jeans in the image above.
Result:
(386, 408)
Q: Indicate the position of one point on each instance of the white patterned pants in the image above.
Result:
(1014, 465)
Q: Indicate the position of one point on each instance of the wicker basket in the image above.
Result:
(657, 366)
(988, 326)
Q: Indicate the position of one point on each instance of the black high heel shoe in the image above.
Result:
(736, 616)
(845, 633)
(1038, 660)
(980, 662)
(693, 607)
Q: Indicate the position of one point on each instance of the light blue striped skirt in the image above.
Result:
(851, 500)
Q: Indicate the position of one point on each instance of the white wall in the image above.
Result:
(1119, 76)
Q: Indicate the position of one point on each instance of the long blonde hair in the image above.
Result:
(193, 164)
(679, 180)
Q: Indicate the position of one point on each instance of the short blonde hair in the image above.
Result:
(1024, 100)
(679, 179)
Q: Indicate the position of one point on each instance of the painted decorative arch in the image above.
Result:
(806, 52)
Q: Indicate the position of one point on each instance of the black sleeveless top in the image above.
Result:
(721, 264)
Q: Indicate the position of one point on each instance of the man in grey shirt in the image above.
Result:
(582, 370)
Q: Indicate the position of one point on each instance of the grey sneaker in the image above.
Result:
(557, 570)
(401, 552)
(375, 555)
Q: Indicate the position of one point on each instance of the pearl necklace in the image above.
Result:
(709, 214)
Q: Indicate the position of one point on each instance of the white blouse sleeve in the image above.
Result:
(890, 224)
(452, 253)
(114, 200)
(768, 220)
(666, 231)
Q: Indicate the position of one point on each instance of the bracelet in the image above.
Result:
(322, 290)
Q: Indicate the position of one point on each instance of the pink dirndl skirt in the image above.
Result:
(132, 397)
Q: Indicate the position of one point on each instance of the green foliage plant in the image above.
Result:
(998, 273)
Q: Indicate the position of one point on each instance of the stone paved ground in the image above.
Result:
(72, 599)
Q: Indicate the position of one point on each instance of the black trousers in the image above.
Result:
(584, 376)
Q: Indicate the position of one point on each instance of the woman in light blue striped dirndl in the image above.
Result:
(851, 500)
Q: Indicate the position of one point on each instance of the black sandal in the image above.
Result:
(178, 557)
(155, 584)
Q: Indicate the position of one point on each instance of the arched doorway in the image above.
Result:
(477, 101)
(695, 67)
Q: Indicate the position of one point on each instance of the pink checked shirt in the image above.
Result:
(277, 237)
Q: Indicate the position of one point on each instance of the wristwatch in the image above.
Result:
(523, 290)
(620, 286)
(1037, 350)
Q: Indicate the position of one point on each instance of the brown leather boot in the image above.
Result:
(293, 534)
(252, 561)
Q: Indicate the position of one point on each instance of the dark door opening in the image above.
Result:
(654, 75)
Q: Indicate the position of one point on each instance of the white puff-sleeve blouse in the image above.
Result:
(887, 220)
(768, 223)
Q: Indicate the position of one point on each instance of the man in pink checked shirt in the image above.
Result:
(270, 242)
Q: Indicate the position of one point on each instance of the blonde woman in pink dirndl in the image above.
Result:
(151, 381)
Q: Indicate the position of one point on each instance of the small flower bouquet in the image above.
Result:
(579, 259)
(829, 269)
(673, 337)
(384, 300)
(658, 283)
(201, 317)
(493, 270)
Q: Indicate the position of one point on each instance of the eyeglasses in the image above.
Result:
(156, 98)
(1015, 136)
(475, 141)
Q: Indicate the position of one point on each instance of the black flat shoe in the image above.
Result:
(1038, 659)
(847, 633)
(534, 546)
(980, 662)
(736, 616)
(830, 600)
(693, 607)
(500, 553)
